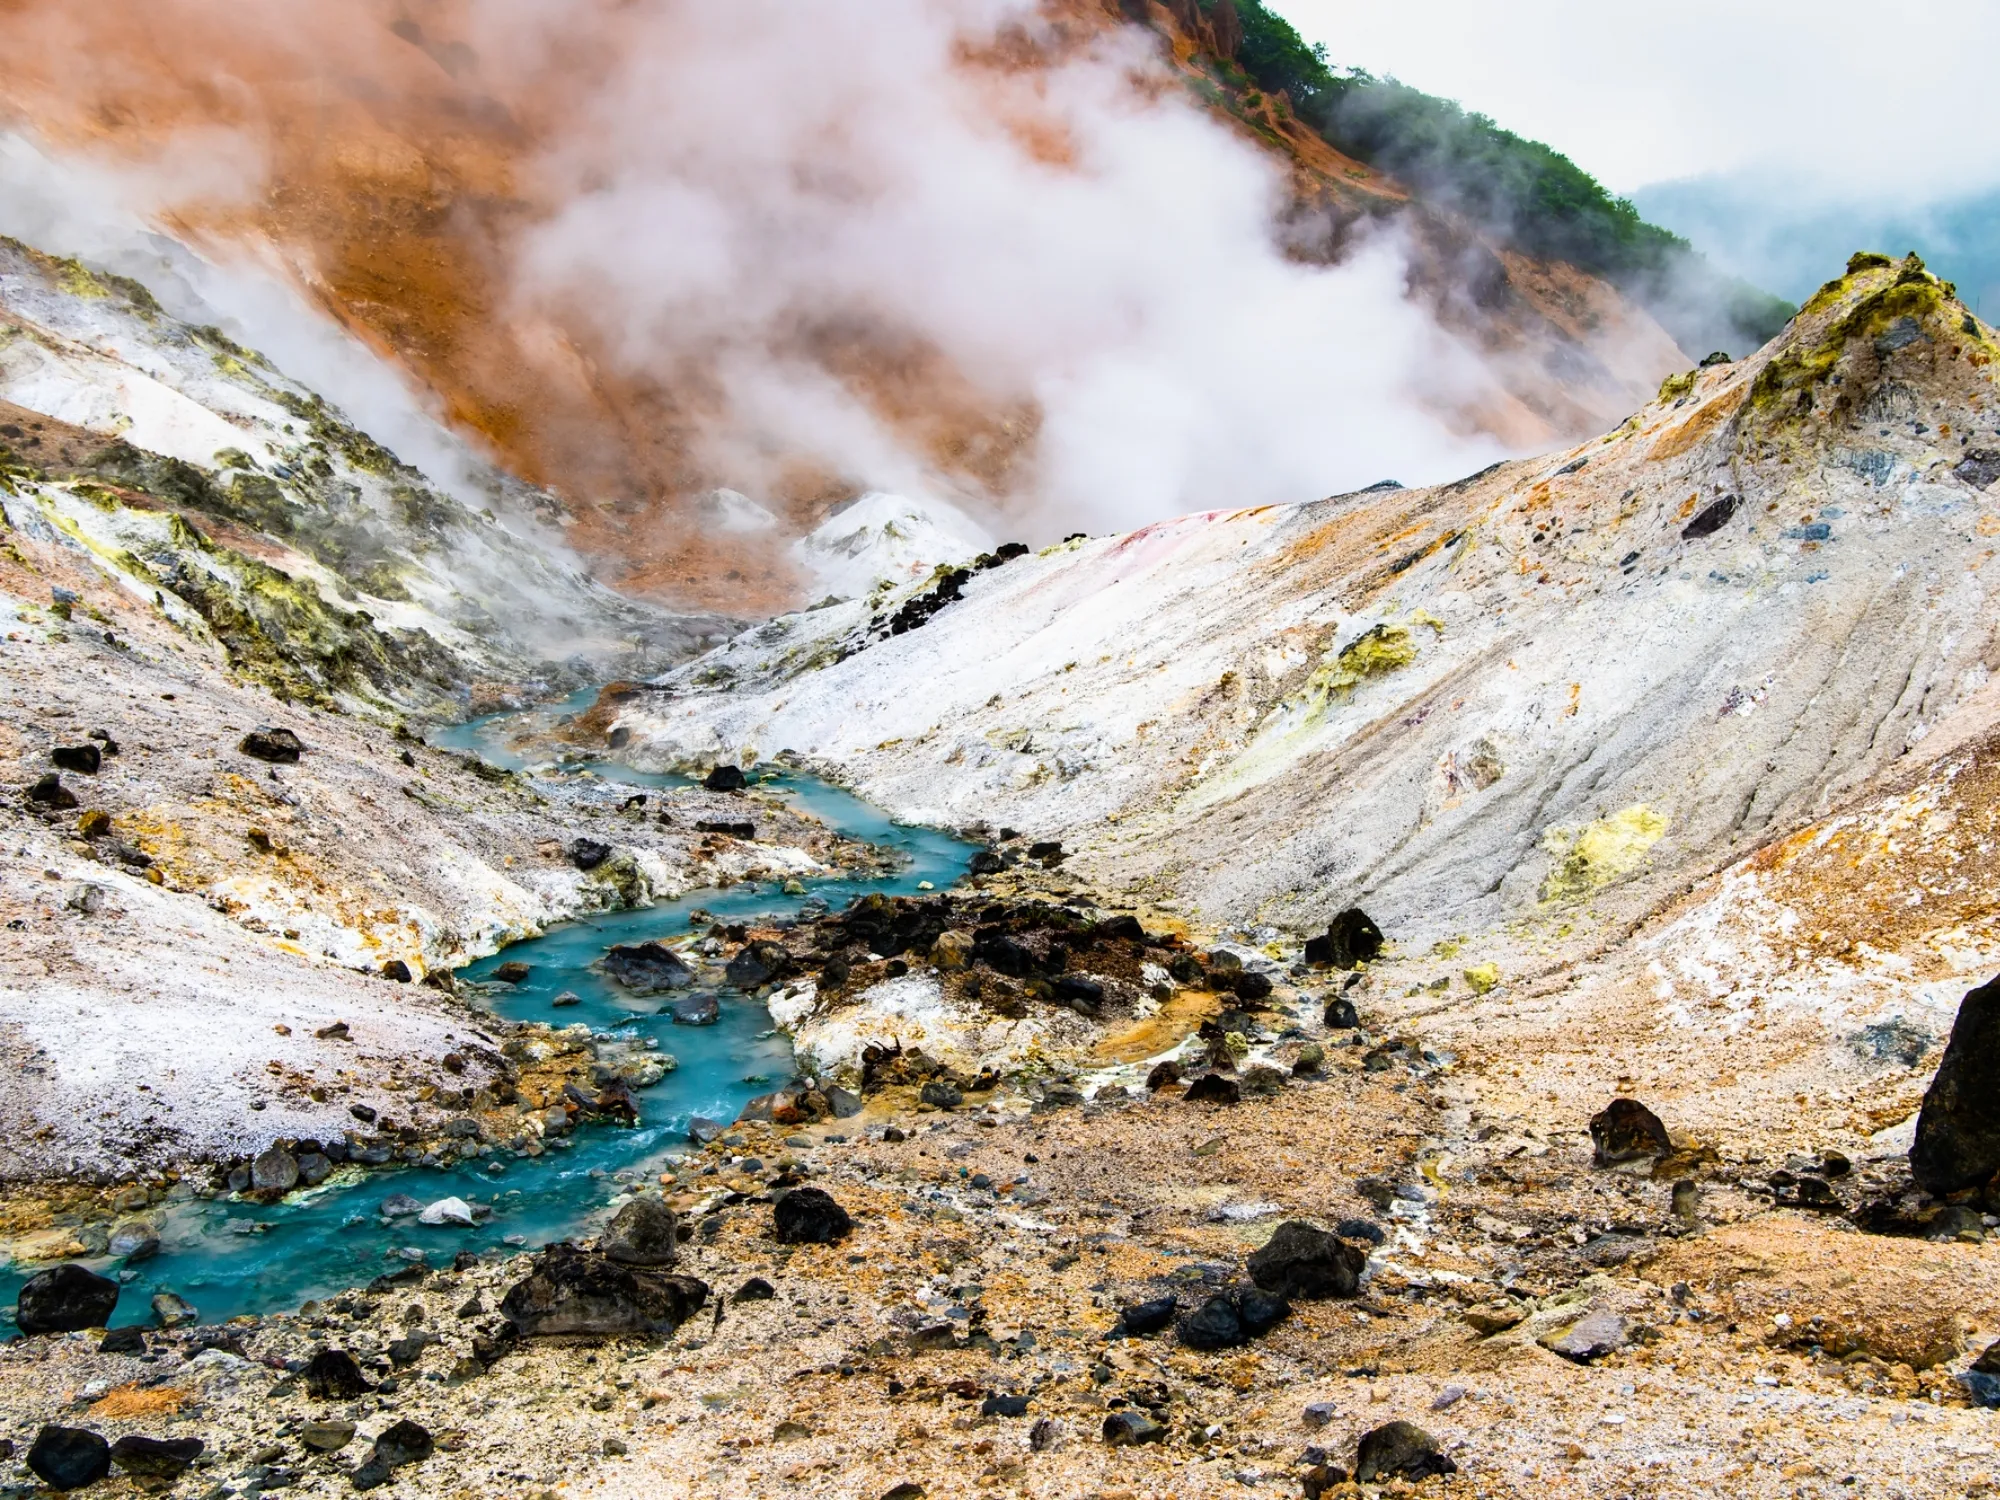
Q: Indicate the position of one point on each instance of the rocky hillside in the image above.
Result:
(399, 200)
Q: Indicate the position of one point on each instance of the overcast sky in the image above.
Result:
(1883, 97)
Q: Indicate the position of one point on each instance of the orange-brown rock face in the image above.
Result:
(419, 159)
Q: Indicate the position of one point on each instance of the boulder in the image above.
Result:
(725, 779)
(841, 1104)
(278, 746)
(1233, 1318)
(171, 1311)
(1958, 1129)
(327, 1435)
(1625, 1130)
(400, 1444)
(1341, 1014)
(64, 1299)
(1214, 1088)
(1146, 1318)
(642, 1233)
(1594, 1335)
(455, 1212)
(756, 1289)
(83, 759)
(1351, 940)
(332, 1375)
(68, 1458)
(512, 972)
(1251, 986)
(584, 1293)
(759, 963)
(702, 1130)
(275, 1171)
(401, 1206)
(696, 1010)
(1301, 1261)
(809, 1216)
(646, 967)
(130, 1339)
(1084, 996)
(155, 1458)
(1164, 1075)
(134, 1239)
(940, 1095)
(1130, 1427)
(49, 791)
(588, 854)
(1399, 1450)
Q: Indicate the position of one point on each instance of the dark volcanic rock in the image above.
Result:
(1625, 1130)
(279, 746)
(64, 1299)
(1958, 1130)
(759, 963)
(941, 1095)
(986, 862)
(1352, 939)
(583, 1293)
(696, 1010)
(49, 791)
(1146, 1318)
(128, 1340)
(1004, 1406)
(1232, 1318)
(1164, 1074)
(1710, 519)
(1124, 1429)
(155, 1458)
(275, 1171)
(642, 1233)
(646, 967)
(68, 1458)
(1399, 1450)
(1341, 1014)
(401, 1444)
(512, 972)
(1251, 986)
(1301, 1261)
(809, 1216)
(1003, 954)
(588, 854)
(333, 1375)
(1214, 1088)
(82, 758)
(725, 779)
(756, 1289)
(1084, 996)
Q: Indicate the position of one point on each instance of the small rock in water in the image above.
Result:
(696, 1010)
(171, 1311)
(702, 1130)
(1399, 1450)
(809, 1216)
(134, 1239)
(1958, 1129)
(332, 1374)
(155, 1458)
(642, 1233)
(401, 1206)
(725, 779)
(1301, 1261)
(64, 1299)
(1625, 1130)
(279, 746)
(453, 1211)
(512, 972)
(645, 967)
(402, 1444)
(68, 1458)
(565, 999)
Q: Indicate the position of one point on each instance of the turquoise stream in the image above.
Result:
(229, 1257)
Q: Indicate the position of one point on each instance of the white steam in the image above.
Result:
(1079, 238)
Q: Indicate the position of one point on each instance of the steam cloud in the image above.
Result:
(863, 237)
(1079, 239)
